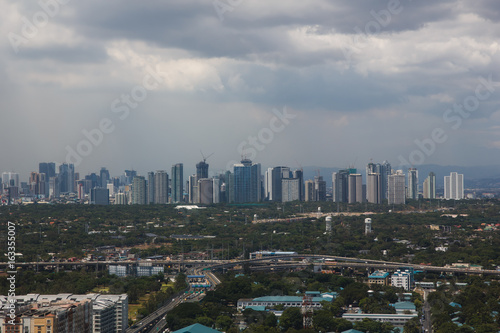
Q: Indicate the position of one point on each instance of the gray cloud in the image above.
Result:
(221, 79)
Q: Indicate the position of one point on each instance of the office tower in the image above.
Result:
(151, 188)
(177, 183)
(193, 189)
(273, 182)
(454, 186)
(355, 193)
(319, 189)
(290, 189)
(37, 184)
(202, 170)
(99, 196)
(129, 176)
(139, 190)
(412, 191)
(373, 189)
(94, 181)
(385, 172)
(67, 178)
(299, 174)
(161, 187)
(247, 182)
(309, 190)
(229, 182)
(216, 190)
(340, 186)
(54, 187)
(205, 191)
(10, 179)
(49, 169)
(396, 188)
(104, 175)
(429, 189)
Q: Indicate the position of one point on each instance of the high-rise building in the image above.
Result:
(273, 182)
(290, 189)
(151, 188)
(54, 187)
(139, 193)
(373, 188)
(177, 183)
(247, 182)
(104, 176)
(319, 189)
(229, 186)
(340, 186)
(396, 188)
(309, 190)
(429, 188)
(454, 186)
(355, 184)
(10, 179)
(121, 199)
(67, 178)
(299, 174)
(216, 190)
(129, 176)
(99, 196)
(385, 172)
(202, 170)
(412, 190)
(205, 191)
(161, 187)
(193, 189)
(37, 184)
(49, 169)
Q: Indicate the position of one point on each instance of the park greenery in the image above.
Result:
(45, 232)
(410, 233)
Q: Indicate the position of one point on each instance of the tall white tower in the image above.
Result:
(368, 226)
(328, 224)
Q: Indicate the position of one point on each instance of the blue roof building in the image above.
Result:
(196, 328)
(379, 277)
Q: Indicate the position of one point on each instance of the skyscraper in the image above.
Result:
(139, 194)
(385, 172)
(373, 188)
(202, 170)
(161, 187)
(340, 186)
(355, 192)
(178, 182)
(67, 178)
(104, 176)
(290, 189)
(396, 188)
(412, 191)
(454, 186)
(247, 182)
(319, 191)
(49, 169)
(205, 191)
(299, 174)
(309, 190)
(151, 188)
(429, 188)
(273, 182)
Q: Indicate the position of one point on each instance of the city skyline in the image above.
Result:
(396, 80)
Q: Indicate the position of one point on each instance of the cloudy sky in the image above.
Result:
(317, 82)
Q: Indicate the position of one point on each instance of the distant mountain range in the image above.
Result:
(474, 177)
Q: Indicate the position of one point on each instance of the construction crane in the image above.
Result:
(205, 158)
